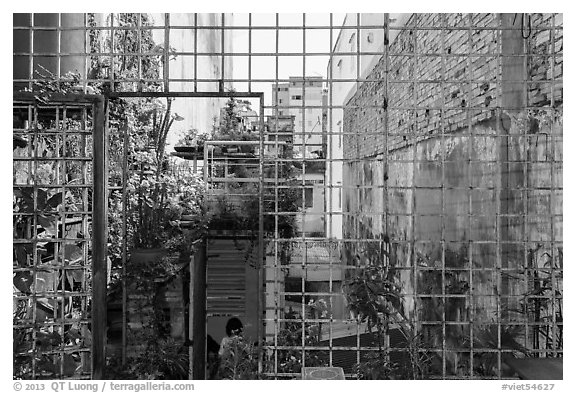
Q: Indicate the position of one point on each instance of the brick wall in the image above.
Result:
(441, 193)
(467, 60)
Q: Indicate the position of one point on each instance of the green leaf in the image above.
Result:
(41, 199)
(27, 203)
(48, 223)
(22, 281)
(55, 200)
(21, 253)
(72, 254)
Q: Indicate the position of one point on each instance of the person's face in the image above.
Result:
(237, 332)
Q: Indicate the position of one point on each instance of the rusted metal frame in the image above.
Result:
(198, 285)
(166, 65)
(357, 138)
(303, 206)
(330, 152)
(58, 251)
(442, 240)
(112, 56)
(553, 253)
(342, 348)
(262, 54)
(223, 53)
(29, 98)
(298, 27)
(501, 155)
(385, 160)
(517, 242)
(58, 322)
(100, 238)
(341, 80)
(138, 54)
(50, 131)
(31, 54)
(470, 298)
(443, 155)
(526, 166)
(125, 174)
(261, 250)
(58, 48)
(250, 52)
(315, 27)
(412, 242)
(277, 295)
(58, 160)
(195, 54)
(329, 220)
(367, 159)
(210, 94)
(86, 53)
(34, 126)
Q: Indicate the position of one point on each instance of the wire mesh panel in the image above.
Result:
(452, 129)
(409, 173)
(56, 278)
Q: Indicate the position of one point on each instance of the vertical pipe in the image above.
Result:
(223, 52)
(260, 265)
(166, 65)
(513, 74)
(469, 106)
(124, 239)
(384, 223)
(99, 241)
(198, 312)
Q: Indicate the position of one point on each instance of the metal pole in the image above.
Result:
(100, 228)
(198, 312)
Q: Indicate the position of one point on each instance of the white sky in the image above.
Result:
(289, 41)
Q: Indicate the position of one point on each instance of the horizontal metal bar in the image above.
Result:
(117, 94)
(413, 56)
(62, 99)
(226, 27)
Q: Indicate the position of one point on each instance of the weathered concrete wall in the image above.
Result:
(490, 188)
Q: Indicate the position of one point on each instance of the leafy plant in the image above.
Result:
(487, 338)
(374, 296)
(162, 358)
(38, 223)
(155, 354)
(292, 335)
(239, 360)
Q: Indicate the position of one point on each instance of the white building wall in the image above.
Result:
(198, 113)
(302, 98)
(308, 118)
(349, 67)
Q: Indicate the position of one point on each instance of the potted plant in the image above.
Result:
(165, 214)
(191, 142)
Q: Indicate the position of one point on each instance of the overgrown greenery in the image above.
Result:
(163, 208)
(153, 353)
(38, 256)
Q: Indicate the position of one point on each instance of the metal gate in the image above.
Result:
(59, 236)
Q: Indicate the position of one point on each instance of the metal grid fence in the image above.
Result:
(434, 143)
(57, 255)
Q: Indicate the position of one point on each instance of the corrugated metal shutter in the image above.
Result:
(226, 277)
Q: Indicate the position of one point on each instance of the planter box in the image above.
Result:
(187, 149)
(148, 255)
